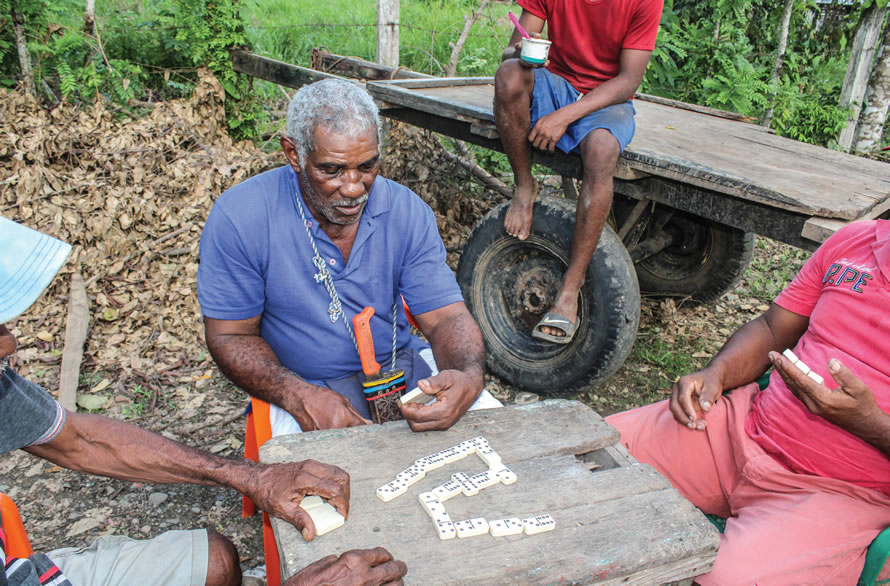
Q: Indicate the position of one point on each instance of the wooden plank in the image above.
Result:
(623, 510)
(819, 229)
(75, 336)
(697, 108)
(275, 71)
(359, 68)
(721, 155)
(559, 427)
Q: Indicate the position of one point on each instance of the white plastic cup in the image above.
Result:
(535, 51)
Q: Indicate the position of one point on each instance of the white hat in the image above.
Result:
(28, 262)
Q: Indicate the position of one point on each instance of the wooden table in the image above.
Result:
(620, 522)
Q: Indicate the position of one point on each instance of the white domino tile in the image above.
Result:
(489, 456)
(479, 441)
(391, 490)
(466, 485)
(445, 529)
(445, 491)
(471, 527)
(538, 524)
(504, 527)
(416, 396)
(816, 377)
(803, 367)
(484, 479)
(505, 475)
(411, 475)
(326, 518)
(311, 501)
(431, 504)
(790, 356)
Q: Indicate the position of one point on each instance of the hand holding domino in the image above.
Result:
(793, 359)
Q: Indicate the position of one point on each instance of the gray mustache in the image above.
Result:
(348, 203)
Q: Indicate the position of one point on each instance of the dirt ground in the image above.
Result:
(131, 197)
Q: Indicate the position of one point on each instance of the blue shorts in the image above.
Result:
(553, 92)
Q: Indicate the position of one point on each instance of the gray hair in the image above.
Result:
(335, 104)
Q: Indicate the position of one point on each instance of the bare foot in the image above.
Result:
(518, 221)
(566, 305)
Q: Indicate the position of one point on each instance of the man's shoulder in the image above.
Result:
(253, 200)
(397, 198)
(264, 185)
(853, 231)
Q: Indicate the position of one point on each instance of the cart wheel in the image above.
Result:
(509, 284)
(705, 259)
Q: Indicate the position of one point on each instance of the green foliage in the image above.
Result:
(806, 104)
(74, 65)
(289, 29)
(210, 28)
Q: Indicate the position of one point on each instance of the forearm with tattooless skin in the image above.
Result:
(108, 447)
(876, 431)
(745, 356)
(249, 362)
(457, 344)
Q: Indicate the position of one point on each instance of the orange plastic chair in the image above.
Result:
(17, 544)
(258, 431)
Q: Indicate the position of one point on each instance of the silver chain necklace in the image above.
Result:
(324, 277)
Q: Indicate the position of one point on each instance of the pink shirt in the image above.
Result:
(845, 291)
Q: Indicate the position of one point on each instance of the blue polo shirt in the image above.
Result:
(256, 259)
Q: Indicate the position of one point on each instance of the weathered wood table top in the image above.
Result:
(620, 522)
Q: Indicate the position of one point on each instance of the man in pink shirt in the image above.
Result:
(579, 101)
(801, 469)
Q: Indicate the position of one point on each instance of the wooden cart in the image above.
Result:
(691, 191)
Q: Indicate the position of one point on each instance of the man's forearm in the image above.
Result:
(108, 447)
(250, 363)
(614, 91)
(745, 356)
(457, 345)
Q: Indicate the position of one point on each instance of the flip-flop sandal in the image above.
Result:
(555, 320)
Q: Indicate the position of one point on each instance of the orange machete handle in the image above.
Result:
(362, 325)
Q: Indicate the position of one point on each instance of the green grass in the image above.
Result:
(288, 30)
(774, 266)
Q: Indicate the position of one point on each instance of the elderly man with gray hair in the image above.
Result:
(290, 256)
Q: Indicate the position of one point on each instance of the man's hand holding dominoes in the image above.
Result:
(455, 392)
(851, 405)
(693, 395)
(278, 490)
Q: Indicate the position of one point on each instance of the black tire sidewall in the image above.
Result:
(608, 314)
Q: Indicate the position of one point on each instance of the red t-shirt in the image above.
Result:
(845, 290)
(588, 35)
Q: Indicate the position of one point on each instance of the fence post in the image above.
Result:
(388, 32)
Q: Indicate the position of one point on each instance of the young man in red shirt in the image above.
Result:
(801, 468)
(579, 101)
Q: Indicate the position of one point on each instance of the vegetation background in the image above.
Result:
(715, 53)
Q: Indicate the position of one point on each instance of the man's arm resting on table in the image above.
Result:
(743, 359)
(459, 352)
(108, 447)
(249, 362)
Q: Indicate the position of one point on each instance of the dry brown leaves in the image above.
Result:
(132, 197)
